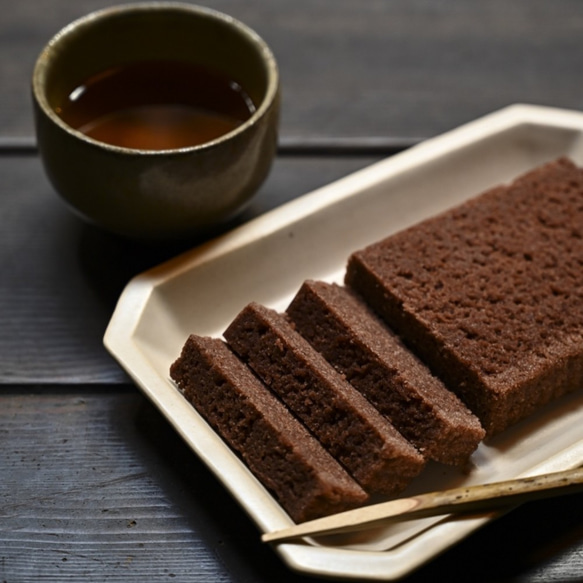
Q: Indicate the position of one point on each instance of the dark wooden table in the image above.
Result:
(94, 484)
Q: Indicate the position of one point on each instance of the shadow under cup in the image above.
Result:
(163, 193)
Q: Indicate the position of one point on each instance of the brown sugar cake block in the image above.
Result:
(490, 294)
(306, 480)
(373, 359)
(346, 424)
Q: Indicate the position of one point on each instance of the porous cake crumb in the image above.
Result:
(306, 480)
(490, 294)
(373, 359)
(354, 432)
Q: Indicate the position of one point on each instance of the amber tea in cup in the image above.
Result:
(156, 105)
(156, 120)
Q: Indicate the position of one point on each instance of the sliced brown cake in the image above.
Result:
(356, 434)
(490, 294)
(373, 359)
(306, 480)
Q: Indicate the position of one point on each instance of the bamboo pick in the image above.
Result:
(456, 500)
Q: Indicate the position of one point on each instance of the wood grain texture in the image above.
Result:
(94, 484)
(363, 68)
(61, 277)
(97, 487)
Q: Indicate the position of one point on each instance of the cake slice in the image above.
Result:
(490, 294)
(346, 424)
(373, 359)
(306, 480)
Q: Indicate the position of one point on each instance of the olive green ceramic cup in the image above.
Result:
(156, 193)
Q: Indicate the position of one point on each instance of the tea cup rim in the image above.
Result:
(108, 12)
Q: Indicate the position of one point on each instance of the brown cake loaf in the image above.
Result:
(346, 424)
(490, 294)
(373, 359)
(307, 481)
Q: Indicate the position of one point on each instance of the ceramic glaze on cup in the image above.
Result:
(156, 192)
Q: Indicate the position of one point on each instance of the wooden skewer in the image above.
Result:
(456, 500)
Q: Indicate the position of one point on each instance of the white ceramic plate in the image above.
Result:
(267, 259)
